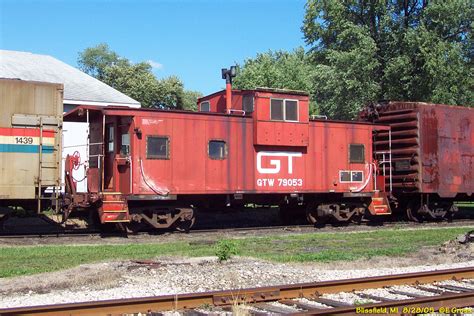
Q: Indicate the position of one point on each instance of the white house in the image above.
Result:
(79, 89)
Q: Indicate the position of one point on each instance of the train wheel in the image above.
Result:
(184, 225)
(3, 218)
(451, 210)
(412, 212)
(131, 228)
(312, 216)
(186, 221)
(357, 218)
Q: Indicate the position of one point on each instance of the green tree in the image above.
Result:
(365, 50)
(170, 93)
(133, 79)
(95, 60)
(190, 99)
(276, 69)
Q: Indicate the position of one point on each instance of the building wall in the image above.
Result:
(74, 139)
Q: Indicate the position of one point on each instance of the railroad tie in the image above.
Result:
(301, 305)
(375, 297)
(192, 312)
(329, 302)
(435, 291)
(408, 294)
(245, 309)
(275, 309)
(455, 288)
(257, 313)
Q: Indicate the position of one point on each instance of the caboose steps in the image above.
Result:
(114, 208)
(380, 206)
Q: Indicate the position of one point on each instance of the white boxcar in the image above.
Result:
(30, 140)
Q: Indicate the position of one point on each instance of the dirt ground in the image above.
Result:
(106, 275)
(207, 236)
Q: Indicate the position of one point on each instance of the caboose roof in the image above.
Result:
(78, 114)
(259, 89)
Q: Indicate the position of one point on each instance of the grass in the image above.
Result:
(465, 204)
(313, 247)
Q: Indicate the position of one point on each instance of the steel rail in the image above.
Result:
(197, 231)
(228, 297)
(445, 303)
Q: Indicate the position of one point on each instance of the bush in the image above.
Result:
(225, 249)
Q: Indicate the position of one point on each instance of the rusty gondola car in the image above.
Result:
(243, 146)
(432, 152)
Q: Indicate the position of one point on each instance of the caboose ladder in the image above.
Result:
(44, 165)
(40, 165)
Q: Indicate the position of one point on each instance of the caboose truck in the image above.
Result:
(150, 167)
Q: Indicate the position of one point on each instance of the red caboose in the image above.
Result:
(243, 146)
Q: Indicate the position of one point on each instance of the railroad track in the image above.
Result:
(296, 228)
(427, 293)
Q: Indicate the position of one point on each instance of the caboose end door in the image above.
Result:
(117, 162)
(123, 160)
(109, 154)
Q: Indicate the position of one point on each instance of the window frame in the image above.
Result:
(340, 176)
(297, 110)
(203, 102)
(226, 148)
(363, 153)
(284, 110)
(168, 148)
(122, 144)
(248, 95)
(350, 176)
(110, 138)
(357, 171)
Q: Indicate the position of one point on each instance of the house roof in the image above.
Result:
(79, 87)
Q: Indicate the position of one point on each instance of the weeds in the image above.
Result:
(362, 302)
(225, 249)
(313, 247)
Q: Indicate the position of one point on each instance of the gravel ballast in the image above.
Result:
(127, 279)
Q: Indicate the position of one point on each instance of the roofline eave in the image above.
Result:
(99, 103)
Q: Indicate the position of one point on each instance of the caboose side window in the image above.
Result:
(110, 139)
(347, 176)
(356, 153)
(291, 110)
(157, 147)
(357, 176)
(283, 110)
(247, 103)
(276, 110)
(125, 148)
(217, 149)
(205, 106)
(344, 176)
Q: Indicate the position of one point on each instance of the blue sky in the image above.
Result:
(191, 39)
